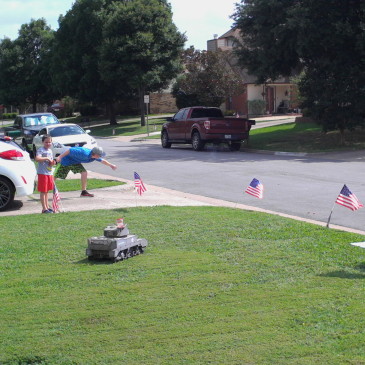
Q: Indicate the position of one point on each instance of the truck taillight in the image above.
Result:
(12, 155)
(207, 124)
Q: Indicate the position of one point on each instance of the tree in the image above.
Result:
(141, 47)
(25, 65)
(115, 49)
(210, 78)
(76, 52)
(9, 65)
(324, 39)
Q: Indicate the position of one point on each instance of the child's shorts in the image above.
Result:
(45, 183)
(62, 171)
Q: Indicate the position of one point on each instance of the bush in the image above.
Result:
(9, 115)
(256, 107)
(229, 113)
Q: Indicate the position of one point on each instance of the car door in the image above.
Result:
(177, 125)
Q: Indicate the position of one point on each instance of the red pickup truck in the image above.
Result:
(199, 125)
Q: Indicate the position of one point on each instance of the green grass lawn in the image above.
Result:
(304, 137)
(75, 184)
(127, 128)
(215, 286)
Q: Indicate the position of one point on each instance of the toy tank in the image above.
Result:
(117, 244)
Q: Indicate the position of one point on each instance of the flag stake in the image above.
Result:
(329, 218)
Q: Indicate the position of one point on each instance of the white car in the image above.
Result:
(64, 136)
(17, 172)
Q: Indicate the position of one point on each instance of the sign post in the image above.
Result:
(147, 101)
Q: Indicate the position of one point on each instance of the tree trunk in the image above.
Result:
(111, 113)
(141, 106)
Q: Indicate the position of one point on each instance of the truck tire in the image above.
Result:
(165, 140)
(7, 192)
(197, 142)
(234, 146)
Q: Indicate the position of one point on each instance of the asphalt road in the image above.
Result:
(304, 186)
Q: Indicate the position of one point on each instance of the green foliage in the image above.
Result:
(209, 79)
(252, 289)
(256, 107)
(9, 115)
(25, 71)
(325, 39)
(229, 112)
(75, 53)
(116, 49)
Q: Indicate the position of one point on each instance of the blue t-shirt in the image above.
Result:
(78, 155)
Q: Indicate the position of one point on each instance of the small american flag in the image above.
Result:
(56, 199)
(255, 189)
(138, 183)
(348, 200)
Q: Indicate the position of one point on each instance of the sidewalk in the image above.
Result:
(124, 196)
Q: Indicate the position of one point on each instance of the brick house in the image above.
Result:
(270, 98)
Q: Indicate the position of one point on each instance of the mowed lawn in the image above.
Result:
(215, 286)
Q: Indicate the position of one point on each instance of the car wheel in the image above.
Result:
(165, 140)
(197, 142)
(7, 192)
(235, 146)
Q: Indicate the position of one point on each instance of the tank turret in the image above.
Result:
(116, 244)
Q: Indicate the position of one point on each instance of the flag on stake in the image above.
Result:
(348, 200)
(56, 199)
(138, 183)
(255, 189)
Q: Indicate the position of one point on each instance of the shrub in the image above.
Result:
(9, 115)
(229, 113)
(256, 107)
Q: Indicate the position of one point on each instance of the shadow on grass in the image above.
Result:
(343, 274)
(94, 261)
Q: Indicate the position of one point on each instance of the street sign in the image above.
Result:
(146, 99)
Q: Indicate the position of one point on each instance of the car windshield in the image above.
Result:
(66, 130)
(40, 120)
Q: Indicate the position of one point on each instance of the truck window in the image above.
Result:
(206, 113)
(179, 114)
(18, 122)
(30, 122)
(198, 113)
(214, 113)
